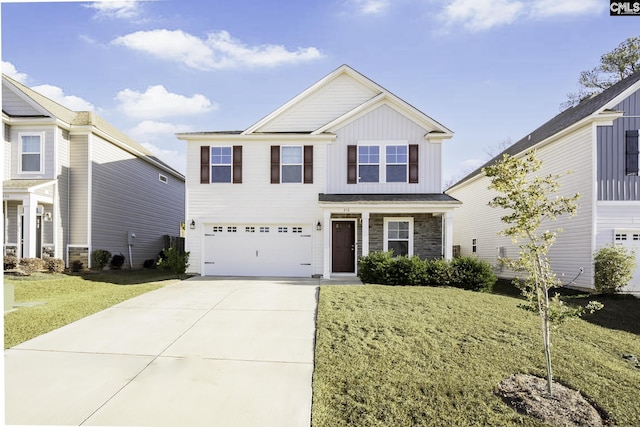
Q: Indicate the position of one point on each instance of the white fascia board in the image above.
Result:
(343, 69)
(377, 208)
(255, 137)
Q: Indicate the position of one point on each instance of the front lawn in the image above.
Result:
(68, 298)
(419, 356)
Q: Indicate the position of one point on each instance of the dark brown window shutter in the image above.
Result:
(631, 150)
(352, 164)
(275, 164)
(413, 164)
(237, 164)
(204, 164)
(308, 164)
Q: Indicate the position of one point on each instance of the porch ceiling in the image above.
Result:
(15, 185)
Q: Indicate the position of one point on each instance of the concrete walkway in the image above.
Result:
(202, 352)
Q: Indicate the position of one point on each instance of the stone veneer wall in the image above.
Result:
(427, 238)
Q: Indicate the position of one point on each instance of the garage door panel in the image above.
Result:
(631, 240)
(244, 250)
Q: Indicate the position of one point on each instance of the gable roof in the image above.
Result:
(589, 108)
(87, 118)
(362, 96)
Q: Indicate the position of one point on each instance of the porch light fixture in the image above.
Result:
(192, 225)
(47, 217)
(319, 226)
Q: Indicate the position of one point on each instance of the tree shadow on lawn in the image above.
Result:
(621, 311)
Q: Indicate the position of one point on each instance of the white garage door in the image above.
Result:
(257, 250)
(631, 240)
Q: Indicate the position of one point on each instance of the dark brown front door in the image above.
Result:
(343, 236)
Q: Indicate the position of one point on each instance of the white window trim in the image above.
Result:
(387, 220)
(20, 153)
(382, 164)
(211, 165)
(283, 164)
(163, 179)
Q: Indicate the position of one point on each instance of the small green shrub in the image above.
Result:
(614, 267)
(77, 266)
(175, 261)
(438, 272)
(472, 273)
(10, 262)
(406, 271)
(31, 265)
(117, 262)
(54, 265)
(374, 267)
(100, 258)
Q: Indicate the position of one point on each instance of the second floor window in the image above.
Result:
(31, 153)
(383, 163)
(369, 163)
(221, 161)
(396, 159)
(291, 164)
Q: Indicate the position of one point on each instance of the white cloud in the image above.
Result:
(370, 7)
(174, 158)
(70, 101)
(10, 70)
(550, 8)
(218, 51)
(478, 15)
(149, 130)
(116, 9)
(157, 102)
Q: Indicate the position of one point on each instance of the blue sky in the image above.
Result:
(490, 70)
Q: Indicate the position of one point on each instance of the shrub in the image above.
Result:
(100, 258)
(117, 262)
(410, 271)
(175, 261)
(77, 266)
(438, 272)
(54, 265)
(31, 265)
(614, 267)
(374, 267)
(10, 262)
(473, 274)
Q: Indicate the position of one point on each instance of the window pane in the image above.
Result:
(31, 162)
(396, 154)
(292, 155)
(369, 154)
(396, 173)
(221, 174)
(291, 173)
(399, 248)
(31, 144)
(369, 173)
(220, 155)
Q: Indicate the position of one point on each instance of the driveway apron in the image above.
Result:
(202, 352)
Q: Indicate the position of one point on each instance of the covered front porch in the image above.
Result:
(29, 213)
(408, 224)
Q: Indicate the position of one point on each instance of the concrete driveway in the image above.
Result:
(202, 352)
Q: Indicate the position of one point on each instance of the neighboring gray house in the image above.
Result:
(72, 183)
(598, 141)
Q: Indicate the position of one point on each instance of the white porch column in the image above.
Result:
(365, 233)
(448, 235)
(326, 224)
(30, 204)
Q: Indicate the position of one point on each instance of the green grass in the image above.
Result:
(416, 356)
(68, 298)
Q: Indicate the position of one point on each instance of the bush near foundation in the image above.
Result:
(10, 262)
(614, 267)
(31, 265)
(54, 265)
(464, 272)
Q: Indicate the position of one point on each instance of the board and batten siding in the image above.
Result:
(255, 201)
(613, 183)
(383, 124)
(335, 99)
(78, 220)
(475, 219)
(128, 196)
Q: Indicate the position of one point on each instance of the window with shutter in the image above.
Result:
(204, 164)
(352, 164)
(237, 164)
(275, 164)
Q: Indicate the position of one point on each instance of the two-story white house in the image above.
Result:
(343, 169)
(72, 183)
(598, 141)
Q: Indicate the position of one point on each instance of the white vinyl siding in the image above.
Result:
(256, 201)
(78, 224)
(14, 105)
(335, 99)
(128, 197)
(573, 249)
(385, 125)
(6, 172)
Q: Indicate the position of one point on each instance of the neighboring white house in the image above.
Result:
(598, 141)
(72, 183)
(343, 169)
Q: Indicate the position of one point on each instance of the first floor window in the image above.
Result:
(31, 153)
(221, 164)
(474, 245)
(291, 164)
(398, 236)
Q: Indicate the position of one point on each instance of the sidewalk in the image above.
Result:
(202, 352)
